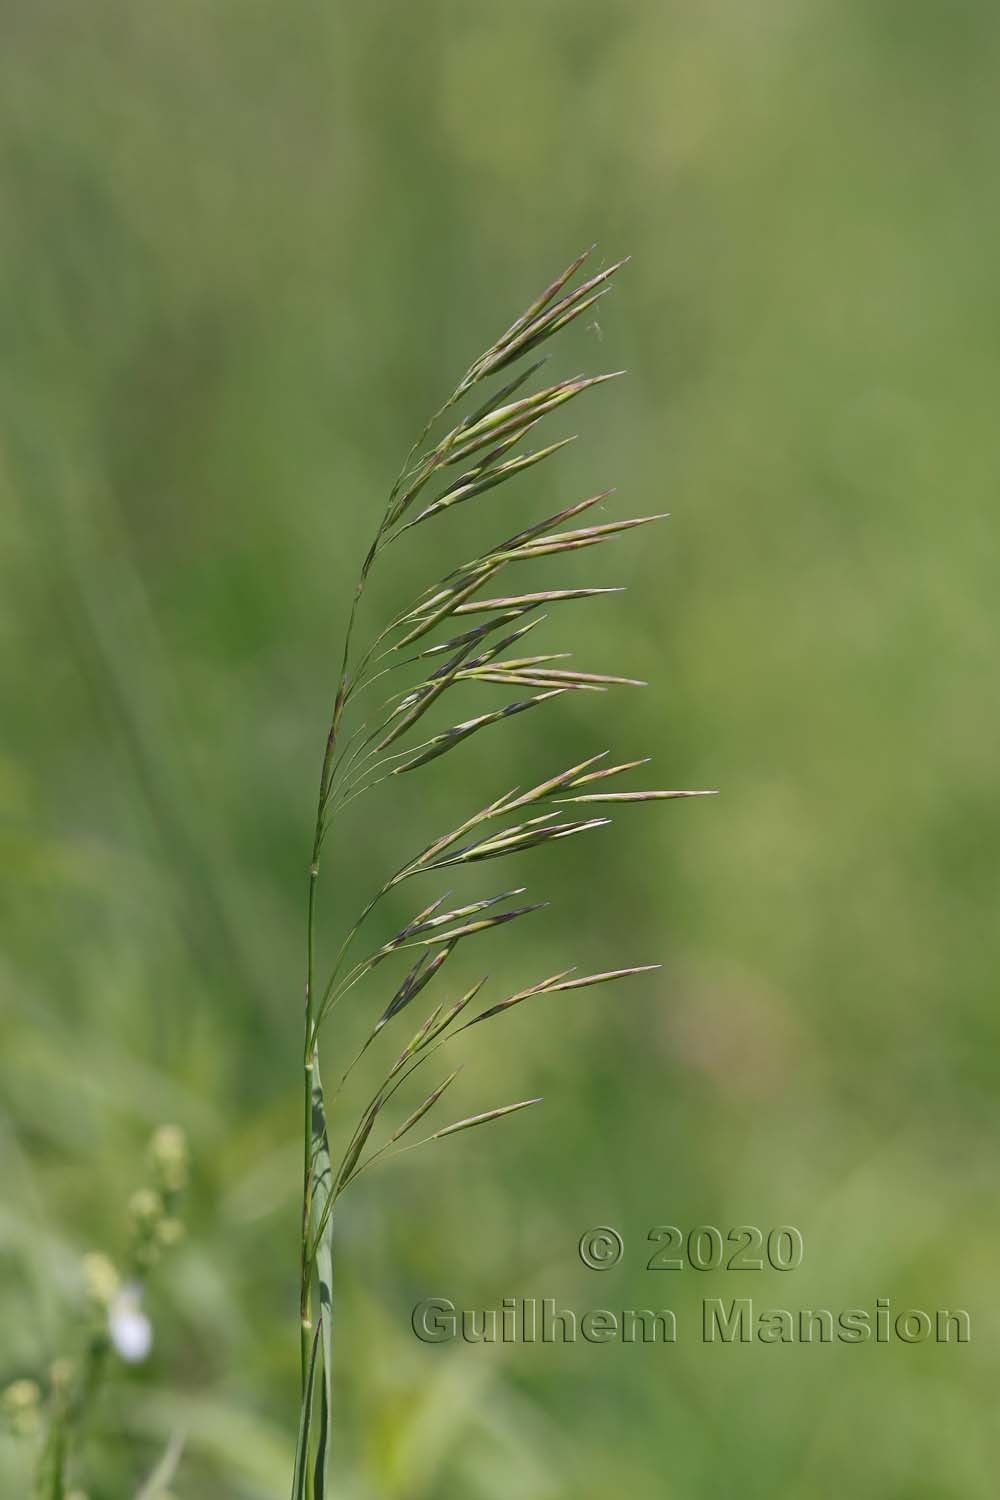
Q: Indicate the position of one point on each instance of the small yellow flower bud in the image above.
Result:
(170, 1232)
(145, 1206)
(21, 1394)
(61, 1372)
(21, 1405)
(169, 1152)
(101, 1278)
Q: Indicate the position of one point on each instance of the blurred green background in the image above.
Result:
(244, 250)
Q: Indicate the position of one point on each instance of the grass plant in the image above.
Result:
(463, 628)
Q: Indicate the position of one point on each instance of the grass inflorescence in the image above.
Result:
(454, 632)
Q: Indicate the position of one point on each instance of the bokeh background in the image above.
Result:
(244, 250)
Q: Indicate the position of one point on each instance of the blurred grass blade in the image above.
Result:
(49, 1480)
(158, 1482)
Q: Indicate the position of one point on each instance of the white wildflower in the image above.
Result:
(129, 1329)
